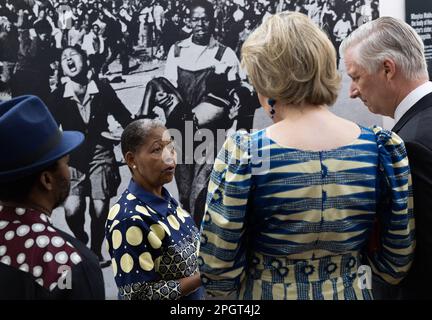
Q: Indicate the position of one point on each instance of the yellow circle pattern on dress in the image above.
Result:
(146, 261)
(172, 220)
(130, 197)
(154, 241)
(137, 217)
(113, 211)
(158, 230)
(181, 217)
(116, 239)
(182, 212)
(126, 263)
(157, 262)
(134, 236)
(167, 230)
(142, 210)
(107, 245)
(114, 266)
(116, 222)
(151, 210)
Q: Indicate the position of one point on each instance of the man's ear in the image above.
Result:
(389, 67)
(46, 180)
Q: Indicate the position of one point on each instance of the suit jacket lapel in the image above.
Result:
(422, 104)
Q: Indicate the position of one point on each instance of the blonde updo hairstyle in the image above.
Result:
(289, 59)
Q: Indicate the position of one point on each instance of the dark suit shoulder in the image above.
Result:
(418, 129)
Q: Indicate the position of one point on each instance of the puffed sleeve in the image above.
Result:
(223, 248)
(134, 247)
(393, 257)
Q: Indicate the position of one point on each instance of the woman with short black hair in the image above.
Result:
(153, 242)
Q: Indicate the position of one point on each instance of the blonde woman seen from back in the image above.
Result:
(290, 209)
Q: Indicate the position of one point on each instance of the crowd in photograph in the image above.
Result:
(32, 32)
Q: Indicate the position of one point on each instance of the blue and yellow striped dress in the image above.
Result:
(283, 223)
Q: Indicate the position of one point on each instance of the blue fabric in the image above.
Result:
(284, 223)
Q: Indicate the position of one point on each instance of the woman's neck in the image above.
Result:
(156, 190)
(311, 128)
(294, 113)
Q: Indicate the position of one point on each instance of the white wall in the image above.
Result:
(393, 8)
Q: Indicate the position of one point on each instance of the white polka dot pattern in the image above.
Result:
(3, 224)
(61, 257)
(29, 243)
(24, 267)
(75, 258)
(9, 235)
(42, 241)
(23, 230)
(34, 246)
(57, 241)
(47, 257)
(6, 260)
(21, 258)
(38, 227)
(37, 271)
(20, 211)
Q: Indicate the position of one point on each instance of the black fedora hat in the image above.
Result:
(30, 139)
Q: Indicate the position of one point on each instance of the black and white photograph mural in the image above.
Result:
(100, 64)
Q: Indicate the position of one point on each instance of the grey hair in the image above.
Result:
(136, 133)
(388, 38)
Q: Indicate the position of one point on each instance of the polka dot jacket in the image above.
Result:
(153, 243)
(40, 261)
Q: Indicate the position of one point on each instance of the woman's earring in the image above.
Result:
(134, 166)
(272, 103)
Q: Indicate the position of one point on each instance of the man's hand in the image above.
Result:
(190, 284)
(235, 105)
(166, 101)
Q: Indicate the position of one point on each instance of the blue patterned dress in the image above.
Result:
(283, 223)
(153, 242)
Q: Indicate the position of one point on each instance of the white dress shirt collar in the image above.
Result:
(411, 99)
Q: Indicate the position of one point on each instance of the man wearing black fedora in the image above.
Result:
(38, 261)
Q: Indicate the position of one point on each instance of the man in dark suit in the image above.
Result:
(385, 60)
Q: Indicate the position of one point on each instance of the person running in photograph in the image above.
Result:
(83, 103)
